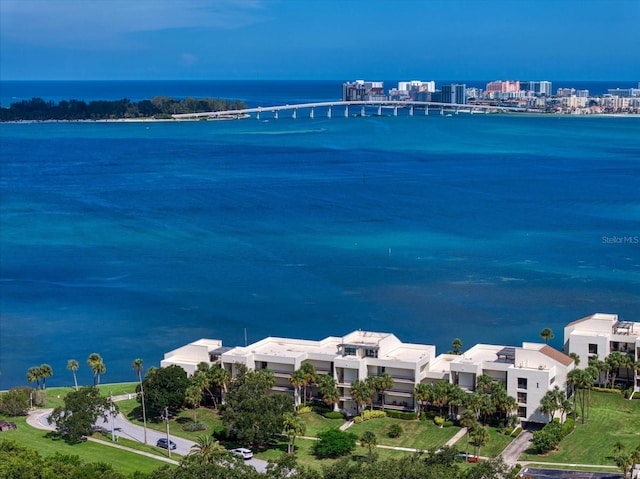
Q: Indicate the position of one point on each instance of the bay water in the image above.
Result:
(131, 239)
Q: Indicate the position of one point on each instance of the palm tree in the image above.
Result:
(72, 365)
(546, 334)
(292, 427)
(310, 376)
(615, 361)
(484, 383)
(383, 383)
(456, 346)
(220, 378)
(46, 371)
(206, 448)
(137, 366)
(370, 441)
(422, 394)
(576, 358)
(193, 397)
(479, 437)
(624, 461)
(328, 388)
(361, 393)
(297, 380)
(96, 363)
(34, 375)
(468, 420)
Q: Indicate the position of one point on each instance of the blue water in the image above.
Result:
(132, 239)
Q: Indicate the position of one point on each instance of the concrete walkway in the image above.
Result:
(516, 447)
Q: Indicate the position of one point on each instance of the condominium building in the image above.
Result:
(599, 335)
(527, 372)
(361, 90)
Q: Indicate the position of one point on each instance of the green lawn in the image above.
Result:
(316, 423)
(47, 444)
(612, 419)
(424, 435)
(496, 444)
(55, 396)
(131, 409)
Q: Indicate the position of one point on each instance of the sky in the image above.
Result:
(319, 39)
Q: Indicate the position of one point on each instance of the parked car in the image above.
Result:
(243, 451)
(162, 442)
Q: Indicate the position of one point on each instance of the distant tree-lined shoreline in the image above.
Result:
(159, 107)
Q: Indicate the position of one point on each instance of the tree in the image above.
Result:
(617, 361)
(310, 375)
(334, 443)
(96, 363)
(546, 334)
(46, 371)
(164, 387)
(293, 427)
(361, 393)
(72, 365)
(469, 421)
(380, 384)
(552, 401)
(34, 375)
(206, 447)
(297, 380)
(220, 378)
(576, 358)
(624, 461)
(252, 414)
(80, 411)
(422, 394)
(370, 441)
(456, 346)
(484, 383)
(328, 389)
(15, 402)
(193, 397)
(137, 367)
(479, 437)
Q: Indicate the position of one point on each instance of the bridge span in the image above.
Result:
(345, 108)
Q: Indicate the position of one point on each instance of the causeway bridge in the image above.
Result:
(349, 108)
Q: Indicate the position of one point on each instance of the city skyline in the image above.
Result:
(256, 39)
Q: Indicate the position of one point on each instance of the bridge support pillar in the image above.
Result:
(311, 114)
(411, 110)
(257, 115)
(395, 111)
(294, 115)
(426, 110)
(457, 110)
(329, 113)
(379, 110)
(346, 111)
(362, 110)
(275, 114)
(441, 111)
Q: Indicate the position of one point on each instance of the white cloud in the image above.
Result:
(111, 23)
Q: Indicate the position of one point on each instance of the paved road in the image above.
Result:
(516, 447)
(122, 427)
(535, 473)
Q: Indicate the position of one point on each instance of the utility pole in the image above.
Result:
(166, 418)
(113, 418)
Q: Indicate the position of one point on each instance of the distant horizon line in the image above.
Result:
(287, 79)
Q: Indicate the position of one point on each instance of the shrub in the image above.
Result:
(402, 415)
(333, 415)
(395, 430)
(447, 424)
(194, 426)
(334, 443)
(568, 426)
(608, 390)
(357, 419)
(439, 420)
(304, 410)
(373, 414)
(15, 402)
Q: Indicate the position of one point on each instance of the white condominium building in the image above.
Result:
(600, 334)
(528, 372)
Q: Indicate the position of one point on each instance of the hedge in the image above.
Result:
(333, 415)
(402, 415)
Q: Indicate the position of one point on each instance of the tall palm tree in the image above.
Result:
(193, 397)
(72, 365)
(34, 375)
(220, 378)
(46, 371)
(137, 367)
(310, 376)
(383, 383)
(576, 358)
(468, 420)
(361, 393)
(297, 380)
(370, 441)
(616, 361)
(484, 383)
(328, 389)
(546, 334)
(292, 427)
(96, 363)
(479, 437)
(456, 346)
(422, 394)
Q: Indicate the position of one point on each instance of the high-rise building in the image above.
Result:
(361, 90)
(454, 93)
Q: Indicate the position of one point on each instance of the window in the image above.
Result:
(522, 411)
(349, 351)
(593, 349)
(522, 383)
(381, 370)
(522, 398)
(371, 353)
(553, 380)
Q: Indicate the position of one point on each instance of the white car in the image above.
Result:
(243, 451)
